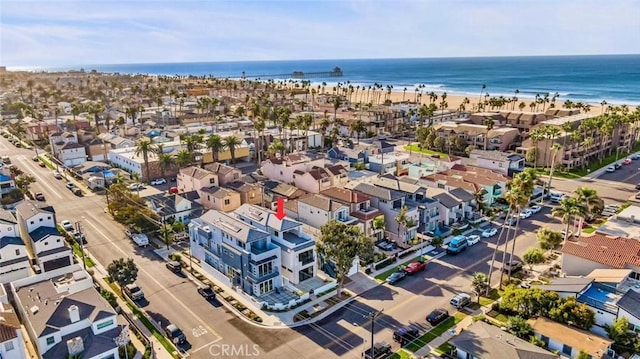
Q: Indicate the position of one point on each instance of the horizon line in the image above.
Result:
(44, 67)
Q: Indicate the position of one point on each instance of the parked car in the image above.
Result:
(70, 185)
(158, 181)
(556, 197)
(380, 350)
(564, 233)
(638, 186)
(136, 187)
(57, 175)
(42, 164)
(133, 291)
(535, 209)
(39, 196)
(173, 190)
(396, 276)
(386, 246)
(140, 239)
(437, 316)
(175, 334)
(460, 300)
(174, 266)
(457, 244)
(617, 165)
(627, 161)
(473, 239)
(510, 221)
(489, 232)
(206, 292)
(611, 169)
(35, 159)
(67, 225)
(77, 191)
(635, 157)
(415, 267)
(79, 237)
(404, 335)
(512, 266)
(525, 213)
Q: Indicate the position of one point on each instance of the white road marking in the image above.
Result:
(198, 331)
(41, 180)
(153, 279)
(206, 345)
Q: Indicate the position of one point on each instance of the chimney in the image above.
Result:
(353, 196)
(75, 346)
(74, 313)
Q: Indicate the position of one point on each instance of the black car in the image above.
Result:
(174, 266)
(206, 292)
(175, 334)
(396, 276)
(380, 350)
(405, 335)
(437, 316)
(638, 186)
(39, 196)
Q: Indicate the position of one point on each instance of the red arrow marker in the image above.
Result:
(280, 211)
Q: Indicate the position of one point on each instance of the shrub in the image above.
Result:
(385, 262)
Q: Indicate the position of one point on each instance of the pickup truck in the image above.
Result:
(140, 239)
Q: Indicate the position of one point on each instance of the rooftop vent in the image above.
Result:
(34, 310)
(75, 346)
(74, 313)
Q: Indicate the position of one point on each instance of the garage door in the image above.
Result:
(56, 263)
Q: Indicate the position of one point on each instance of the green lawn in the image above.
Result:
(46, 161)
(435, 332)
(383, 276)
(400, 354)
(493, 296)
(78, 252)
(593, 166)
(415, 148)
(445, 348)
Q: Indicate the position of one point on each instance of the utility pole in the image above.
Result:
(81, 239)
(373, 316)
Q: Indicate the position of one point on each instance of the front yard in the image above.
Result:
(435, 332)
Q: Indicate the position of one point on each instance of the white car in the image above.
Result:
(611, 169)
(158, 181)
(526, 213)
(489, 232)
(136, 187)
(67, 225)
(473, 239)
(535, 209)
(57, 175)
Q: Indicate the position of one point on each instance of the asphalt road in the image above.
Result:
(209, 327)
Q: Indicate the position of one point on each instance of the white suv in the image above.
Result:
(158, 181)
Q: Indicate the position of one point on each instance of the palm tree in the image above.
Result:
(260, 126)
(166, 232)
(378, 224)
(568, 209)
(336, 105)
(231, 143)
(479, 284)
(536, 135)
(144, 147)
(276, 147)
(215, 144)
(523, 184)
(358, 127)
(402, 220)
(165, 162)
(489, 123)
(184, 158)
(551, 133)
(589, 199)
(554, 151)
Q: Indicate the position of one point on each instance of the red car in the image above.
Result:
(627, 161)
(415, 267)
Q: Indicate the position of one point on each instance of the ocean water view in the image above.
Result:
(592, 79)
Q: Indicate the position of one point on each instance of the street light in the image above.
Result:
(373, 316)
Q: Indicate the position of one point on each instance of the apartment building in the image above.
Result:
(284, 169)
(250, 193)
(498, 138)
(14, 262)
(66, 149)
(127, 159)
(472, 179)
(66, 317)
(38, 229)
(223, 173)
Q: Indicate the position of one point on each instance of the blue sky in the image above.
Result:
(61, 32)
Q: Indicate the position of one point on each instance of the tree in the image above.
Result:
(358, 127)
(123, 271)
(519, 327)
(569, 311)
(533, 256)
(215, 144)
(528, 303)
(624, 340)
(583, 355)
(24, 181)
(165, 162)
(379, 225)
(568, 209)
(231, 143)
(402, 220)
(548, 239)
(167, 234)
(184, 158)
(341, 244)
(144, 147)
(479, 284)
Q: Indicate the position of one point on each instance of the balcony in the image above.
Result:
(434, 214)
(346, 219)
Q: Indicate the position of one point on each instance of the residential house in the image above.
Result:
(237, 253)
(569, 341)
(491, 184)
(194, 178)
(498, 138)
(297, 248)
(318, 179)
(450, 209)
(224, 174)
(7, 184)
(14, 262)
(40, 130)
(505, 163)
(483, 340)
(359, 207)
(66, 317)
(283, 170)
(219, 198)
(302, 140)
(395, 163)
(390, 202)
(315, 210)
(241, 152)
(351, 155)
(66, 149)
(127, 159)
(249, 192)
(11, 340)
(96, 149)
(274, 190)
(625, 224)
(582, 256)
(180, 207)
(116, 142)
(37, 225)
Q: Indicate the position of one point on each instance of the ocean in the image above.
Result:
(591, 79)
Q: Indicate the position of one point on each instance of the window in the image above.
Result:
(265, 268)
(266, 287)
(17, 252)
(566, 349)
(46, 243)
(104, 324)
(8, 346)
(50, 340)
(212, 180)
(31, 222)
(40, 219)
(227, 201)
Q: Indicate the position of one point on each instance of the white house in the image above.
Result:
(316, 210)
(570, 341)
(14, 262)
(283, 170)
(11, 340)
(7, 184)
(37, 223)
(72, 154)
(64, 315)
(505, 163)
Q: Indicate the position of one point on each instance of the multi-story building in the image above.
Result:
(223, 173)
(283, 170)
(219, 198)
(194, 178)
(14, 262)
(11, 340)
(497, 138)
(359, 207)
(127, 159)
(315, 210)
(180, 207)
(7, 184)
(65, 147)
(66, 317)
(236, 252)
(450, 209)
(472, 179)
(297, 248)
(249, 192)
(505, 163)
(37, 224)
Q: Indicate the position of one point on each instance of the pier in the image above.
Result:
(336, 72)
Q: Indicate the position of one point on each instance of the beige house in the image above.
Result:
(220, 199)
(498, 138)
(224, 174)
(316, 210)
(359, 206)
(249, 193)
(96, 149)
(195, 178)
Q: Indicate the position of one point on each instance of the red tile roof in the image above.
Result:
(616, 252)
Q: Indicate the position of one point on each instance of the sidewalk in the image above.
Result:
(426, 350)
